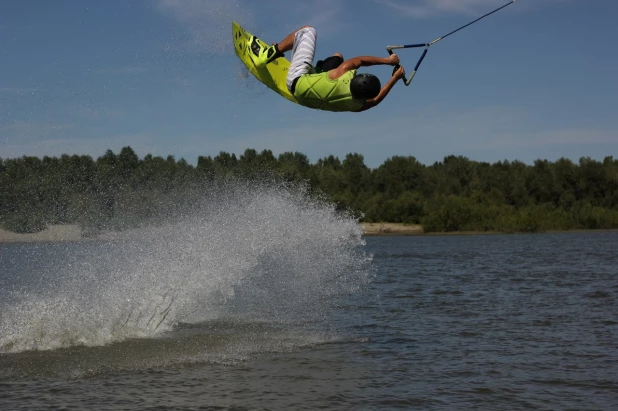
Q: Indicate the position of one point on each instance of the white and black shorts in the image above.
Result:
(303, 53)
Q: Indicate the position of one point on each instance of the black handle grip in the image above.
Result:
(396, 67)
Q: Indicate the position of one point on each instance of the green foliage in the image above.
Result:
(117, 191)
(25, 221)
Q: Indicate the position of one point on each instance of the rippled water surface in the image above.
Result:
(313, 321)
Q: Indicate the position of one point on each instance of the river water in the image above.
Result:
(322, 320)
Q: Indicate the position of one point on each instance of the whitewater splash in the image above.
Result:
(252, 252)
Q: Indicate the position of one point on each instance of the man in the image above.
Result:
(334, 84)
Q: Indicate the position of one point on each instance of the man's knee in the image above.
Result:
(307, 28)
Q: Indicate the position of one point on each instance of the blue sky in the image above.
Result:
(535, 80)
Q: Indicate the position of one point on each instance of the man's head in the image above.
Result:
(365, 86)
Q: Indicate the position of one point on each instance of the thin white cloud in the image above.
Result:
(25, 129)
(555, 137)
(327, 21)
(54, 147)
(17, 90)
(130, 69)
(327, 16)
(489, 133)
(495, 131)
(428, 8)
(94, 112)
(486, 133)
(207, 22)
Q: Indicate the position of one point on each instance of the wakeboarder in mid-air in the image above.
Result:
(333, 84)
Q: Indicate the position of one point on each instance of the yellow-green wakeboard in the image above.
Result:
(273, 74)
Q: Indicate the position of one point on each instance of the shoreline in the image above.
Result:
(73, 233)
(54, 233)
(410, 230)
(392, 229)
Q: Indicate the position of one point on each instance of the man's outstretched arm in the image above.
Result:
(398, 74)
(362, 61)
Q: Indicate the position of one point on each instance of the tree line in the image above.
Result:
(457, 194)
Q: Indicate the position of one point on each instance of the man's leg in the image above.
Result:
(288, 43)
(302, 45)
(266, 55)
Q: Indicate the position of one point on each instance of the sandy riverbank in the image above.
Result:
(54, 233)
(392, 229)
(60, 233)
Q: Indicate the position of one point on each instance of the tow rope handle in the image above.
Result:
(427, 45)
(408, 80)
